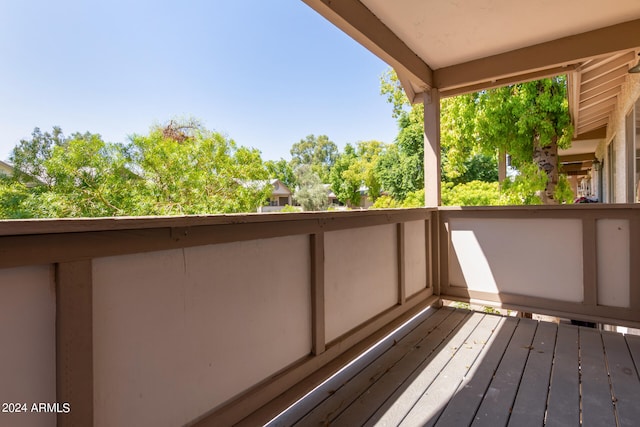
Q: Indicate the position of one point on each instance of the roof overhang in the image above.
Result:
(465, 46)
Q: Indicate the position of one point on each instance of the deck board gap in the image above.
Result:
(463, 407)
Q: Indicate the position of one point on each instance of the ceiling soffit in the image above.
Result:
(594, 89)
(466, 45)
(461, 46)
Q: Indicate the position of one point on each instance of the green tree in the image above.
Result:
(474, 193)
(401, 166)
(90, 178)
(311, 193)
(282, 170)
(529, 120)
(318, 152)
(30, 155)
(355, 169)
(78, 176)
(399, 173)
(188, 169)
(179, 168)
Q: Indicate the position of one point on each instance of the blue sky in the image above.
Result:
(264, 73)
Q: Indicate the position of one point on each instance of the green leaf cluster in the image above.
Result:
(318, 152)
(518, 119)
(355, 171)
(474, 193)
(177, 169)
(311, 194)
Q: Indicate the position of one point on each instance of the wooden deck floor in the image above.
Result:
(456, 368)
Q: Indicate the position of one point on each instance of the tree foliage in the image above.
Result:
(318, 152)
(311, 194)
(474, 193)
(527, 120)
(176, 169)
(198, 172)
(355, 170)
(282, 170)
(401, 165)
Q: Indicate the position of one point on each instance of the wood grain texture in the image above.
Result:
(74, 342)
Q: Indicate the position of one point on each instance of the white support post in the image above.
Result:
(432, 148)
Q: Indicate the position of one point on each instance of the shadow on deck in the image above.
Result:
(451, 367)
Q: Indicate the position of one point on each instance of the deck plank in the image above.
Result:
(624, 379)
(395, 407)
(362, 409)
(341, 395)
(633, 342)
(462, 408)
(457, 368)
(597, 404)
(427, 409)
(501, 394)
(563, 408)
(531, 400)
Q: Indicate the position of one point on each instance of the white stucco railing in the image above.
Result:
(204, 320)
(167, 321)
(576, 261)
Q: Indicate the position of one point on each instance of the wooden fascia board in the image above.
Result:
(352, 17)
(577, 158)
(564, 51)
(594, 134)
(573, 93)
(606, 111)
(605, 85)
(593, 107)
(611, 93)
(588, 122)
(621, 61)
(413, 97)
(520, 78)
(594, 125)
(575, 167)
(578, 173)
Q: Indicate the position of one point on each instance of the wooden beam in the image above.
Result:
(575, 167)
(574, 81)
(578, 173)
(564, 51)
(600, 120)
(589, 262)
(597, 99)
(74, 342)
(621, 61)
(587, 109)
(444, 245)
(577, 157)
(428, 252)
(602, 84)
(30, 249)
(595, 115)
(432, 196)
(570, 310)
(318, 341)
(594, 125)
(594, 134)
(400, 240)
(408, 88)
(634, 256)
(352, 17)
(520, 78)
